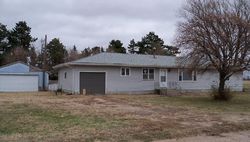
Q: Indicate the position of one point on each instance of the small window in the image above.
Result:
(180, 76)
(151, 74)
(125, 71)
(145, 74)
(148, 74)
(187, 75)
(194, 73)
(65, 75)
(163, 78)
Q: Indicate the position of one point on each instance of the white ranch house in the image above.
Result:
(114, 73)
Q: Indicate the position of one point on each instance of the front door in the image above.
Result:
(163, 78)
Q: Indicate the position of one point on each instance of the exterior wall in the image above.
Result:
(115, 83)
(40, 82)
(22, 68)
(66, 83)
(18, 83)
(204, 81)
(246, 75)
(236, 82)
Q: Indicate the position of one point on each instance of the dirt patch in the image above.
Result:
(225, 137)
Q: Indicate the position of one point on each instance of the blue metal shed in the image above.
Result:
(22, 68)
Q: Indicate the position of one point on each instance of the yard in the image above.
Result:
(247, 85)
(46, 117)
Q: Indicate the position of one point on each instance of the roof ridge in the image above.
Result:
(106, 58)
(137, 54)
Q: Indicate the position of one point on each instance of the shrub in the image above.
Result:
(226, 95)
(157, 91)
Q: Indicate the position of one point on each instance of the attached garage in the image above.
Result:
(18, 82)
(93, 82)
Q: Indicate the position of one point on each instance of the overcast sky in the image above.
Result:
(88, 23)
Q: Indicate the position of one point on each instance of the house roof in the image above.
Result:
(117, 59)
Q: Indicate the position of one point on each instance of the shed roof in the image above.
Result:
(30, 67)
(118, 59)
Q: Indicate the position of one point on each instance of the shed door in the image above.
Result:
(18, 83)
(92, 82)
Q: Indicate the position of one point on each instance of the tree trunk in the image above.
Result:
(221, 90)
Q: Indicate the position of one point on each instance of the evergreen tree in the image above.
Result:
(20, 36)
(132, 47)
(152, 44)
(116, 46)
(92, 51)
(3, 42)
(56, 52)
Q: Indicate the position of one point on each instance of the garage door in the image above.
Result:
(93, 82)
(18, 83)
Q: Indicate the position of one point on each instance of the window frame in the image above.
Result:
(180, 76)
(148, 74)
(125, 71)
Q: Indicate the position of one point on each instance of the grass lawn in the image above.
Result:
(45, 117)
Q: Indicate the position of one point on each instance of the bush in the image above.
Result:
(157, 91)
(59, 90)
(225, 96)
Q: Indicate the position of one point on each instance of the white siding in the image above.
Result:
(115, 83)
(205, 80)
(65, 83)
(18, 83)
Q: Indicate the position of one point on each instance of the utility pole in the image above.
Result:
(44, 60)
(44, 54)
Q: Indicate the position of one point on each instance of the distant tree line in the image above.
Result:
(17, 44)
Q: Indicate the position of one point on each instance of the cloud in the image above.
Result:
(93, 22)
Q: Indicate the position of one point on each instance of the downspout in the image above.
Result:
(73, 83)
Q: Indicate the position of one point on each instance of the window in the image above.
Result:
(65, 75)
(148, 74)
(1, 51)
(125, 71)
(187, 75)
(163, 78)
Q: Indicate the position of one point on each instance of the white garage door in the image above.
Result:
(18, 83)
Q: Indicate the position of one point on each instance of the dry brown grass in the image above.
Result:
(246, 85)
(46, 117)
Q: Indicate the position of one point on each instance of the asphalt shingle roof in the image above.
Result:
(117, 59)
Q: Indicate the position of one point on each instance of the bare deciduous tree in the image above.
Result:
(17, 54)
(217, 34)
